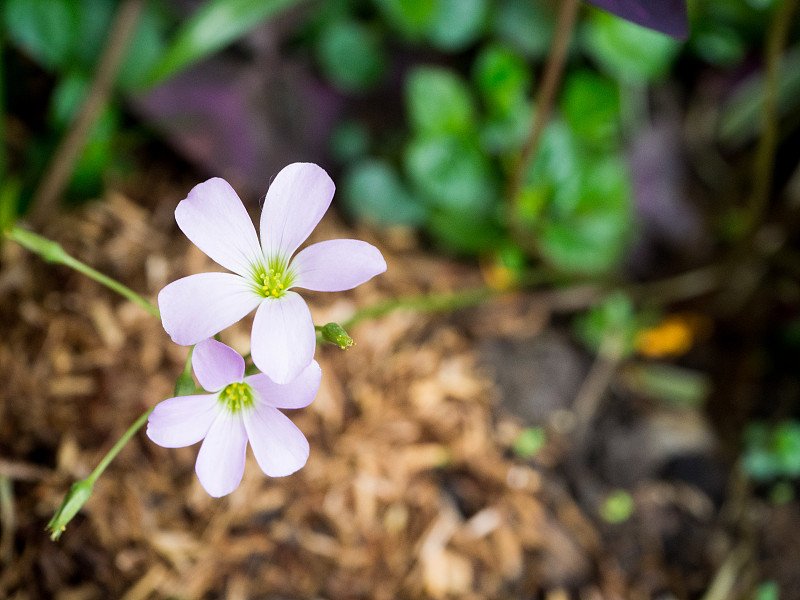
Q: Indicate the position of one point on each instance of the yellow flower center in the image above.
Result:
(237, 396)
(272, 281)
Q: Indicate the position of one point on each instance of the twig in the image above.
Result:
(763, 167)
(63, 161)
(23, 471)
(596, 382)
(551, 78)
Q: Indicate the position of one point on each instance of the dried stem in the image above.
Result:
(69, 150)
(763, 166)
(553, 71)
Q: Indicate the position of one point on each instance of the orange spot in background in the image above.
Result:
(674, 336)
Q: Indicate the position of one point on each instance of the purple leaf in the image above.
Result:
(666, 16)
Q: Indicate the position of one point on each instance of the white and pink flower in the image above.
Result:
(238, 409)
(264, 273)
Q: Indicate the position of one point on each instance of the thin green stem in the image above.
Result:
(53, 252)
(432, 303)
(80, 491)
(111, 454)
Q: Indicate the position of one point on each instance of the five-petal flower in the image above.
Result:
(213, 217)
(238, 409)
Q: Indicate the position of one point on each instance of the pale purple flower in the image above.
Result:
(212, 216)
(238, 409)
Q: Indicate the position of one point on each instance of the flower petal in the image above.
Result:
(182, 421)
(279, 446)
(298, 393)
(283, 339)
(213, 217)
(336, 265)
(216, 365)
(296, 201)
(220, 462)
(198, 306)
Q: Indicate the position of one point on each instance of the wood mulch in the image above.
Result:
(412, 489)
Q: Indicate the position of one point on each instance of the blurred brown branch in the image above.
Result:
(63, 161)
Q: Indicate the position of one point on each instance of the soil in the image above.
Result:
(413, 488)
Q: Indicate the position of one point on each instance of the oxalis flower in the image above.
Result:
(213, 218)
(238, 409)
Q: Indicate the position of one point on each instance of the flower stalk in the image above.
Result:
(53, 252)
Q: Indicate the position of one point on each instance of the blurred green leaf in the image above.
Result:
(502, 77)
(719, 45)
(464, 232)
(781, 492)
(10, 189)
(451, 173)
(412, 18)
(97, 155)
(627, 51)
(740, 119)
(350, 55)
(615, 317)
(350, 140)
(591, 105)
(786, 444)
(772, 452)
(556, 164)
(46, 29)
(457, 23)
(69, 35)
(145, 48)
(92, 25)
(373, 193)
(503, 133)
(589, 236)
(670, 384)
(768, 590)
(67, 98)
(439, 101)
(525, 25)
(213, 26)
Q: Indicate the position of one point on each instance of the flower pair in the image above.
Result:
(283, 336)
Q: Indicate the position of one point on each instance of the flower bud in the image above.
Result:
(78, 494)
(335, 333)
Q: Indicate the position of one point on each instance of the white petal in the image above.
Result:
(216, 365)
(336, 265)
(198, 306)
(296, 394)
(215, 220)
(220, 462)
(296, 201)
(278, 445)
(283, 339)
(182, 421)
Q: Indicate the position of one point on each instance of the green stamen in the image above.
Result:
(272, 282)
(236, 397)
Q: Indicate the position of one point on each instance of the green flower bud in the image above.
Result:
(78, 494)
(335, 333)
